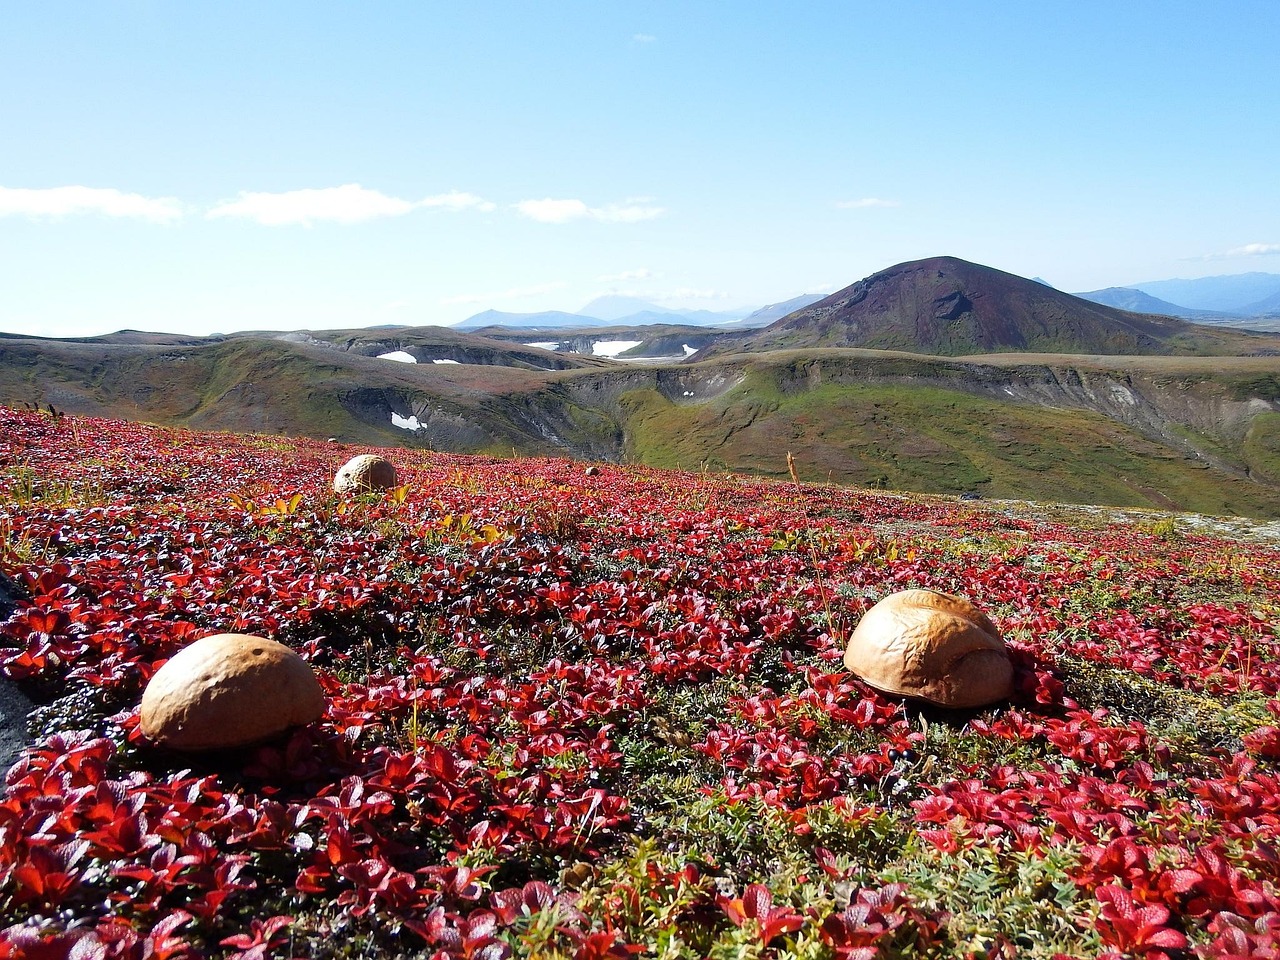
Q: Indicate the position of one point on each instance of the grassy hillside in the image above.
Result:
(1168, 432)
(936, 440)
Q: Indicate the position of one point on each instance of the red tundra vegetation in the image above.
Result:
(610, 719)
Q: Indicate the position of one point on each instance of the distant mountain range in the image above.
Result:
(615, 310)
(1268, 307)
(946, 306)
(1228, 299)
(1244, 294)
(1135, 301)
(546, 320)
(1222, 299)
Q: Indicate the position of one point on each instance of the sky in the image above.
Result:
(198, 167)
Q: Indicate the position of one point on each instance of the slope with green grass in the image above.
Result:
(939, 440)
(1171, 432)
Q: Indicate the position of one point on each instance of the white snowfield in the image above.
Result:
(398, 355)
(444, 361)
(688, 350)
(611, 348)
(544, 344)
(405, 423)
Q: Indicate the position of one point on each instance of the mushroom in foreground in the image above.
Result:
(229, 690)
(931, 646)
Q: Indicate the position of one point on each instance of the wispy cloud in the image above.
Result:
(1254, 250)
(866, 203)
(454, 200)
(57, 202)
(513, 294)
(1248, 250)
(350, 203)
(643, 37)
(624, 276)
(550, 210)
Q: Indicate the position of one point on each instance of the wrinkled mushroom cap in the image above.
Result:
(931, 646)
(364, 473)
(229, 690)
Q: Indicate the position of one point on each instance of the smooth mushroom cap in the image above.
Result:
(229, 690)
(932, 646)
(364, 473)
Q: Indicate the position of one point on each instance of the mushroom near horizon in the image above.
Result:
(365, 473)
(931, 646)
(229, 690)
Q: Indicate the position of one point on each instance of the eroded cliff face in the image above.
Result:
(1154, 403)
(1201, 415)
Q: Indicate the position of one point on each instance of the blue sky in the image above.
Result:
(212, 167)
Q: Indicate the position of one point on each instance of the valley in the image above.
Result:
(936, 377)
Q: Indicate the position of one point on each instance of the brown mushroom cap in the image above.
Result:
(931, 646)
(364, 473)
(229, 690)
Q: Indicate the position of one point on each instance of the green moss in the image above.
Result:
(1265, 386)
(1261, 447)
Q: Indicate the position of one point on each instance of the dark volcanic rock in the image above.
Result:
(14, 706)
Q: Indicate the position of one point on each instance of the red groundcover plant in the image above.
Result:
(604, 716)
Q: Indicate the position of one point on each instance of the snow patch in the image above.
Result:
(544, 344)
(611, 348)
(399, 356)
(688, 350)
(405, 423)
(444, 361)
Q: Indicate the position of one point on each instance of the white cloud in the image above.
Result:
(643, 37)
(553, 211)
(641, 274)
(549, 210)
(65, 201)
(865, 203)
(1254, 250)
(513, 294)
(350, 203)
(629, 212)
(454, 200)
(1248, 250)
